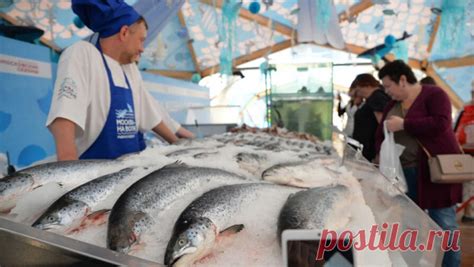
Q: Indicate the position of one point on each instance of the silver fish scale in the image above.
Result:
(73, 210)
(75, 204)
(98, 189)
(156, 191)
(160, 188)
(61, 169)
(250, 157)
(309, 209)
(278, 167)
(67, 172)
(184, 151)
(15, 181)
(204, 155)
(221, 203)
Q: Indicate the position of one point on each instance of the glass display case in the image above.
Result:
(391, 206)
(381, 200)
(301, 98)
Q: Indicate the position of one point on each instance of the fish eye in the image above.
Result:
(181, 242)
(51, 219)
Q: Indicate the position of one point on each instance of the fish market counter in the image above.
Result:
(21, 245)
(391, 207)
(224, 200)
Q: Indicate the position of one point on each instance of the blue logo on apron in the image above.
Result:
(120, 134)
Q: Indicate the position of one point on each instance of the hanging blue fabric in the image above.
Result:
(264, 67)
(157, 14)
(230, 12)
(323, 14)
(452, 25)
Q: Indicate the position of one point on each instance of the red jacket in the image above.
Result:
(466, 125)
(429, 120)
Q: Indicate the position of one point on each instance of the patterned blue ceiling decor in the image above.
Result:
(54, 17)
(169, 50)
(57, 19)
(344, 5)
(202, 20)
(157, 13)
(459, 79)
(227, 32)
(452, 25)
(413, 16)
(391, 44)
(66, 32)
(284, 11)
(466, 39)
(279, 11)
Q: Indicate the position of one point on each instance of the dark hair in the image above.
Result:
(141, 19)
(365, 79)
(428, 80)
(395, 69)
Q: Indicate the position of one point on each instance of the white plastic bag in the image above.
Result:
(390, 165)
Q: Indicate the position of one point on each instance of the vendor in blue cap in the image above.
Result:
(100, 107)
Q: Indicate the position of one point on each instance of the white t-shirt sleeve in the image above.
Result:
(170, 122)
(71, 94)
(147, 113)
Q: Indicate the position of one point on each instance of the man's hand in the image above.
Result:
(162, 130)
(184, 133)
(394, 124)
(64, 132)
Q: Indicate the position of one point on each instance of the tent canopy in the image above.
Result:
(184, 38)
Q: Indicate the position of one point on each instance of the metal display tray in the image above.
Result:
(22, 245)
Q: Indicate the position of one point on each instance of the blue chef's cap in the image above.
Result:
(105, 16)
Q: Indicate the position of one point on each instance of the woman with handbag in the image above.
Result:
(420, 117)
(368, 116)
(464, 129)
(350, 109)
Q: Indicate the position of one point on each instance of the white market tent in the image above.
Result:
(184, 35)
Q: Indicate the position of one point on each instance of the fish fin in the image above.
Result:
(136, 247)
(232, 230)
(291, 195)
(7, 210)
(38, 186)
(75, 230)
(58, 183)
(298, 183)
(128, 169)
(404, 36)
(98, 217)
(176, 164)
(205, 260)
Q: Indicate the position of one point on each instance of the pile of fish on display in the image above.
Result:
(221, 200)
